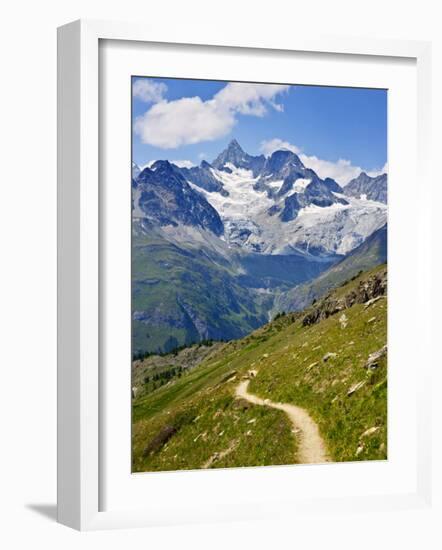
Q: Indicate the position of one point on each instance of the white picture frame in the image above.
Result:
(79, 265)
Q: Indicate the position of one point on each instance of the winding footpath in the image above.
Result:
(312, 449)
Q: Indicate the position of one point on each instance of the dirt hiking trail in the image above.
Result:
(312, 449)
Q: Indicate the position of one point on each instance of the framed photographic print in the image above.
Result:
(259, 284)
(234, 243)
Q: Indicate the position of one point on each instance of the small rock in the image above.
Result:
(343, 319)
(359, 450)
(265, 355)
(221, 433)
(160, 439)
(253, 373)
(372, 301)
(373, 359)
(252, 421)
(329, 355)
(355, 387)
(241, 404)
(370, 431)
(371, 320)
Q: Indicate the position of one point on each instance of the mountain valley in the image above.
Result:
(220, 248)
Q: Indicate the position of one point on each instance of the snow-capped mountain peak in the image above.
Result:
(282, 160)
(272, 205)
(236, 156)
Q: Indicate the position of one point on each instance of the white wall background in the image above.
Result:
(28, 263)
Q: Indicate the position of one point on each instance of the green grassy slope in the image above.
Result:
(195, 420)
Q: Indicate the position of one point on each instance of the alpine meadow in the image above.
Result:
(259, 274)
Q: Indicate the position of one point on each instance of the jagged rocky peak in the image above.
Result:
(235, 147)
(202, 176)
(165, 198)
(361, 180)
(368, 187)
(164, 167)
(333, 185)
(281, 158)
(233, 154)
(283, 165)
(236, 156)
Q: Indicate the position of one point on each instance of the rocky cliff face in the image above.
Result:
(316, 193)
(236, 157)
(374, 189)
(366, 292)
(202, 176)
(161, 194)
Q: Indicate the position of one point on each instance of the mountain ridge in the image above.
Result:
(217, 246)
(259, 198)
(374, 188)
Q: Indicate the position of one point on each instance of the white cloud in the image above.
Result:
(250, 99)
(190, 120)
(342, 171)
(269, 146)
(183, 163)
(182, 122)
(149, 91)
(383, 170)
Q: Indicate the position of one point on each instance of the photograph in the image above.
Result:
(258, 274)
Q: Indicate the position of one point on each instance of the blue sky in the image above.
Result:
(337, 131)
